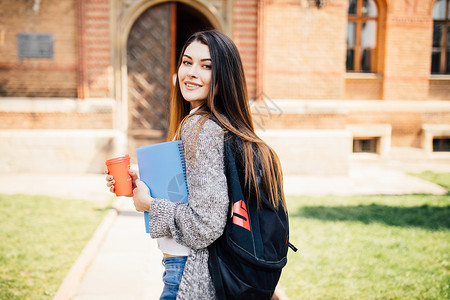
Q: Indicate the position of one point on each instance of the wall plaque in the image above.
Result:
(35, 45)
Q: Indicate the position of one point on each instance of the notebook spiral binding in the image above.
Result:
(183, 162)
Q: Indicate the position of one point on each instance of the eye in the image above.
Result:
(208, 67)
(187, 63)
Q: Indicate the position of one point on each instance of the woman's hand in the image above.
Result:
(141, 196)
(141, 193)
(110, 181)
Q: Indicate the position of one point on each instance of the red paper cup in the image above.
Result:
(118, 167)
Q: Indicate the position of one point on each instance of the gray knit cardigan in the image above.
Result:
(201, 221)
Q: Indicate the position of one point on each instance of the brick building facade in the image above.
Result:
(327, 73)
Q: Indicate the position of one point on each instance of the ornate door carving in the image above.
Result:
(149, 63)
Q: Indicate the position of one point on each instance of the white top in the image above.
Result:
(168, 244)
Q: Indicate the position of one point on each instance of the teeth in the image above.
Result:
(191, 85)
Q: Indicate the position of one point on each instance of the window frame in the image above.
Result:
(443, 58)
(359, 19)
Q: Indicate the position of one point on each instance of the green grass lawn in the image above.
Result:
(41, 237)
(442, 179)
(369, 247)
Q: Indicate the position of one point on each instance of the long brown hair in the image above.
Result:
(228, 103)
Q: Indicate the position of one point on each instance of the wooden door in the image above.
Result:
(149, 71)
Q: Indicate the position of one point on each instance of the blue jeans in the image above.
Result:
(174, 267)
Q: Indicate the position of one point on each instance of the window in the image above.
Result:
(440, 53)
(362, 30)
(367, 145)
(441, 144)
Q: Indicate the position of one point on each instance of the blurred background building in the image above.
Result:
(330, 80)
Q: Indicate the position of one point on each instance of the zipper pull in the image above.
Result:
(292, 247)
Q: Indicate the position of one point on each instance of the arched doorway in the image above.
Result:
(153, 46)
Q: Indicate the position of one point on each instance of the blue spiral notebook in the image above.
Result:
(162, 168)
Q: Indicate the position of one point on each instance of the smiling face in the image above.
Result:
(194, 74)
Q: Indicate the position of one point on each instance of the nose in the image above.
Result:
(193, 71)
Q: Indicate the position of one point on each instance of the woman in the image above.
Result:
(209, 99)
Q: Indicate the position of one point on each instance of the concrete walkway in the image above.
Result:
(122, 262)
(126, 266)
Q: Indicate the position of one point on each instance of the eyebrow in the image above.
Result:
(203, 59)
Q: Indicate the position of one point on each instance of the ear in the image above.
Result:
(174, 79)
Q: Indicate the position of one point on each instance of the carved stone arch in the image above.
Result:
(126, 21)
(203, 7)
(127, 18)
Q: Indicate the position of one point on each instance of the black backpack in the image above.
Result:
(246, 261)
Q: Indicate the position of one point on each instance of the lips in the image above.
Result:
(192, 85)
